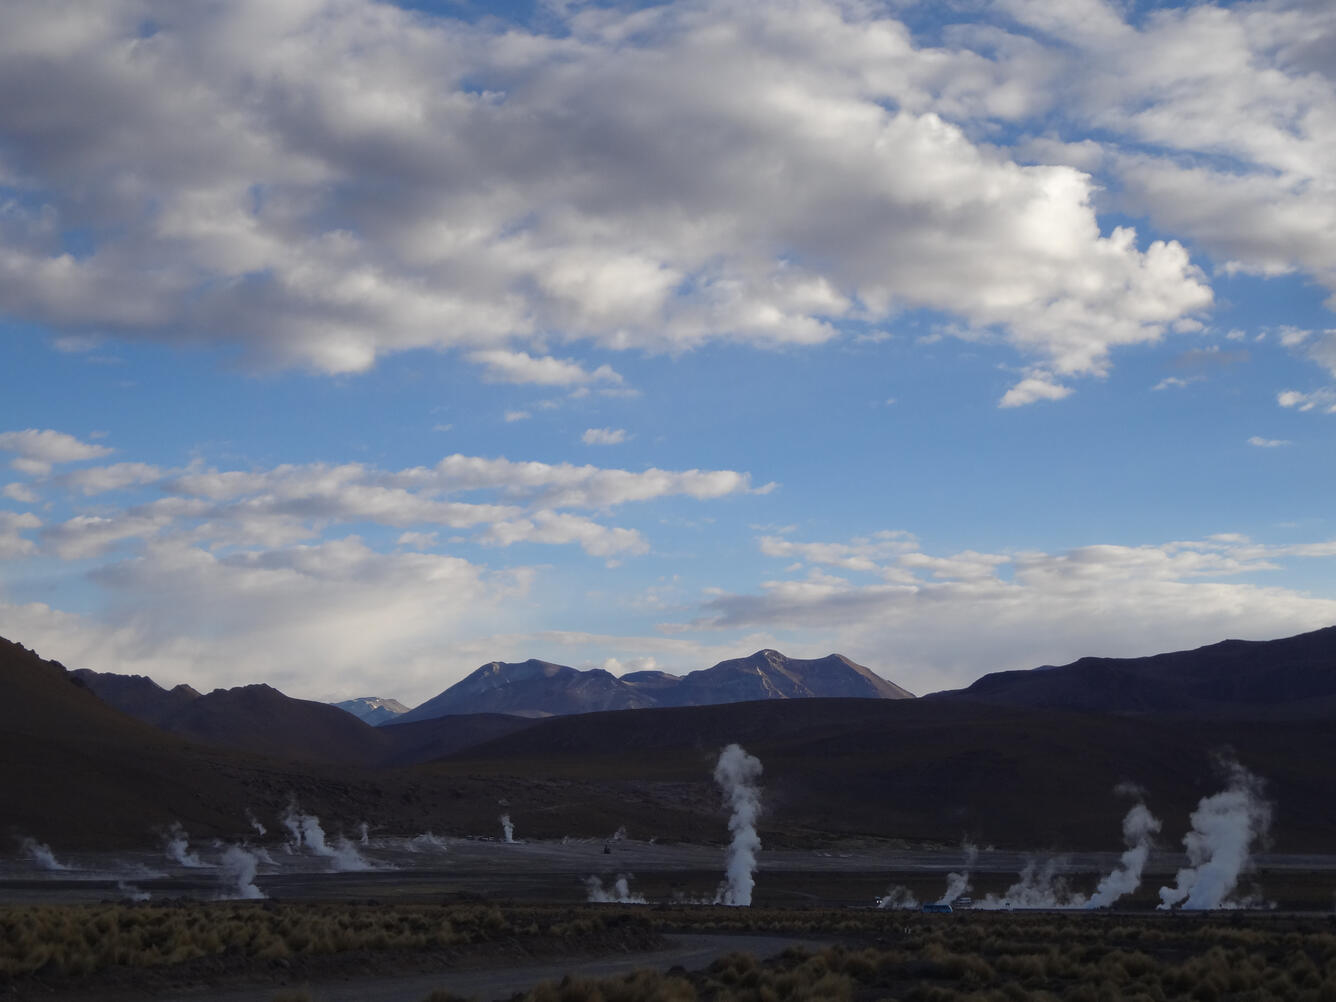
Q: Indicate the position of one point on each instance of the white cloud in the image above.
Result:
(37, 450)
(1268, 443)
(418, 540)
(21, 492)
(860, 554)
(290, 504)
(1036, 386)
(512, 416)
(267, 617)
(1221, 122)
(519, 367)
(12, 541)
(1324, 399)
(100, 479)
(1322, 350)
(376, 180)
(1171, 382)
(560, 527)
(603, 436)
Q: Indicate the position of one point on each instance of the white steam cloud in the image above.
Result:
(41, 854)
(1224, 828)
(306, 832)
(507, 829)
(619, 893)
(898, 897)
(958, 883)
(132, 893)
(427, 842)
(1139, 829)
(237, 873)
(736, 772)
(178, 848)
(260, 829)
(1039, 886)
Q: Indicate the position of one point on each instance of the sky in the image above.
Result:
(347, 346)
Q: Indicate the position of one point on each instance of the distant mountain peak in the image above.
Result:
(373, 710)
(541, 688)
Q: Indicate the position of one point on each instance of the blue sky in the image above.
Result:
(349, 346)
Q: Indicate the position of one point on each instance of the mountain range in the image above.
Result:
(539, 688)
(1025, 759)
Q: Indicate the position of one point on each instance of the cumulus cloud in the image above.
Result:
(288, 504)
(268, 616)
(12, 541)
(197, 570)
(376, 180)
(519, 367)
(1037, 386)
(37, 450)
(1220, 120)
(604, 436)
(900, 609)
(21, 492)
(1322, 399)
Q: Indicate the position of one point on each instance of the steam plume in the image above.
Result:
(736, 772)
(507, 829)
(958, 883)
(898, 897)
(132, 893)
(292, 821)
(1224, 827)
(178, 848)
(620, 892)
(306, 831)
(427, 842)
(260, 829)
(364, 829)
(1139, 829)
(1039, 886)
(41, 854)
(238, 874)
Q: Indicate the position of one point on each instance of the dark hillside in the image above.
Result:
(1287, 679)
(80, 774)
(137, 695)
(938, 770)
(262, 720)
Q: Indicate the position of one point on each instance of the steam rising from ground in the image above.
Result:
(260, 829)
(178, 848)
(237, 873)
(736, 772)
(1139, 829)
(507, 829)
(898, 897)
(1224, 828)
(41, 854)
(958, 883)
(427, 842)
(132, 893)
(1041, 885)
(619, 893)
(307, 832)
